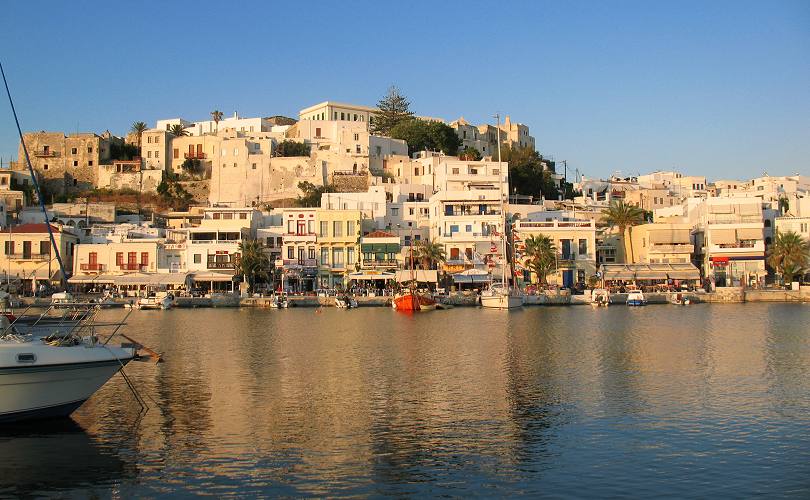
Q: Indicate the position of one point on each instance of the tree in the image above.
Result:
(391, 110)
(138, 128)
(623, 216)
(216, 115)
(789, 255)
(541, 256)
(312, 194)
(191, 166)
(429, 253)
(253, 262)
(173, 193)
(422, 135)
(784, 205)
(529, 173)
(469, 154)
(292, 148)
(177, 130)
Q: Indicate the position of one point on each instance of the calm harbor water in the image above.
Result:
(566, 402)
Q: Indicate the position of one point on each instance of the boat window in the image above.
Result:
(26, 357)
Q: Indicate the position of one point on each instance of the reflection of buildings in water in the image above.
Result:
(787, 356)
(42, 458)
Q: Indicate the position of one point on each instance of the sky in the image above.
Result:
(718, 88)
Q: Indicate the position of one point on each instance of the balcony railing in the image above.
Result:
(132, 267)
(221, 265)
(28, 256)
(42, 153)
(301, 262)
(194, 156)
(379, 263)
(91, 267)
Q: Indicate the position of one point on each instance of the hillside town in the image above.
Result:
(351, 197)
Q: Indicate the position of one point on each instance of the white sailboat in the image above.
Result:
(501, 295)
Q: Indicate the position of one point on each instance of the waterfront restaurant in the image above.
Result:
(650, 277)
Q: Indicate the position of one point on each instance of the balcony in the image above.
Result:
(300, 263)
(132, 267)
(92, 267)
(379, 263)
(673, 248)
(28, 256)
(46, 153)
(199, 155)
(221, 265)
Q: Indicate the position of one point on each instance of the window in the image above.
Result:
(583, 246)
(75, 163)
(394, 211)
(317, 132)
(453, 229)
(119, 259)
(337, 257)
(227, 216)
(89, 149)
(148, 154)
(357, 149)
(144, 259)
(337, 229)
(45, 167)
(243, 216)
(157, 139)
(235, 151)
(356, 137)
(324, 256)
(350, 228)
(198, 258)
(342, 116)
(455, 170)
(355, 117)
(74, 151)
(176, 153)
(132, 259)
(323, 229)
(253, 166)
(496, 171)
(350, 256)
(90, 163)
(410, 211)
(468, 228)
(157, 154)
(44, 247)
(9, 248)
(474, 171)
(217, 215)
(290, 252)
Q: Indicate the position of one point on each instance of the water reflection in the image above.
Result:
(367, 401)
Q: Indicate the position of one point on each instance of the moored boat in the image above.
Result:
(600, 297)
(501, 297)
(161, 300)
(636, 298)
(345, 302)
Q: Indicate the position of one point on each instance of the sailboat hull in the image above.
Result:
(501, 301)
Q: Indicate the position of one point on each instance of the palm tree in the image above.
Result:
(216, 115)
(623, 216)
(177, 130)
(429, 253)
(138, 128)
(253, 262)
(789, 255)
(541, 256)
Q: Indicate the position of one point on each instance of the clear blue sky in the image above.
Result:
(716, 88)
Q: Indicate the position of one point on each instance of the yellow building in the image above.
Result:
(116, 258)
(660, 243)
(338, 245)
(27, 253)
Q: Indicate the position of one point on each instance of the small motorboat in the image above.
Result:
(680, 299)
(600, 297)
(636, 298)
(345, 302)
(279, 301)
(160, 300)
(62, 299)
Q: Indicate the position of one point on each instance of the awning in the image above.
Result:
(617, 272)
(380, 248)
(421, 275)
(722, 236)
(369, 276)
(669, 236)
(749, 233)
(154, 279)
(723, 208)
(656, 272)
(472, 278)
(750, 209)
(684, 272)
(211, 276)
(91, 278)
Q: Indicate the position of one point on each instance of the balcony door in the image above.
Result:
(26, 249)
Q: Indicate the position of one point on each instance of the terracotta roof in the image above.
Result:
(33, 228)
(379, 234)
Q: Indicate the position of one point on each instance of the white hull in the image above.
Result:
(501, 301)
(58, 382)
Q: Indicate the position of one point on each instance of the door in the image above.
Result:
(26, 249)
(568, 278)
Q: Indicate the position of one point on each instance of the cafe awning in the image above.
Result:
(153, 279)
(91, 278)
(370, 276)
(211, 276)
(420, 275)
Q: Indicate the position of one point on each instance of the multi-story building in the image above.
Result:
(338, 245)
(299, 263)
(651, 199)
(330, 110)
(117, 258)
(575, 241)
(156, 146)
(380, 251)
(660, 243)
(28, 253)
(68, 163)
(12, 199)
(468, 224)
(213, 246)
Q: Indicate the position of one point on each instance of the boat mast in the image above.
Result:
(503, 214)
